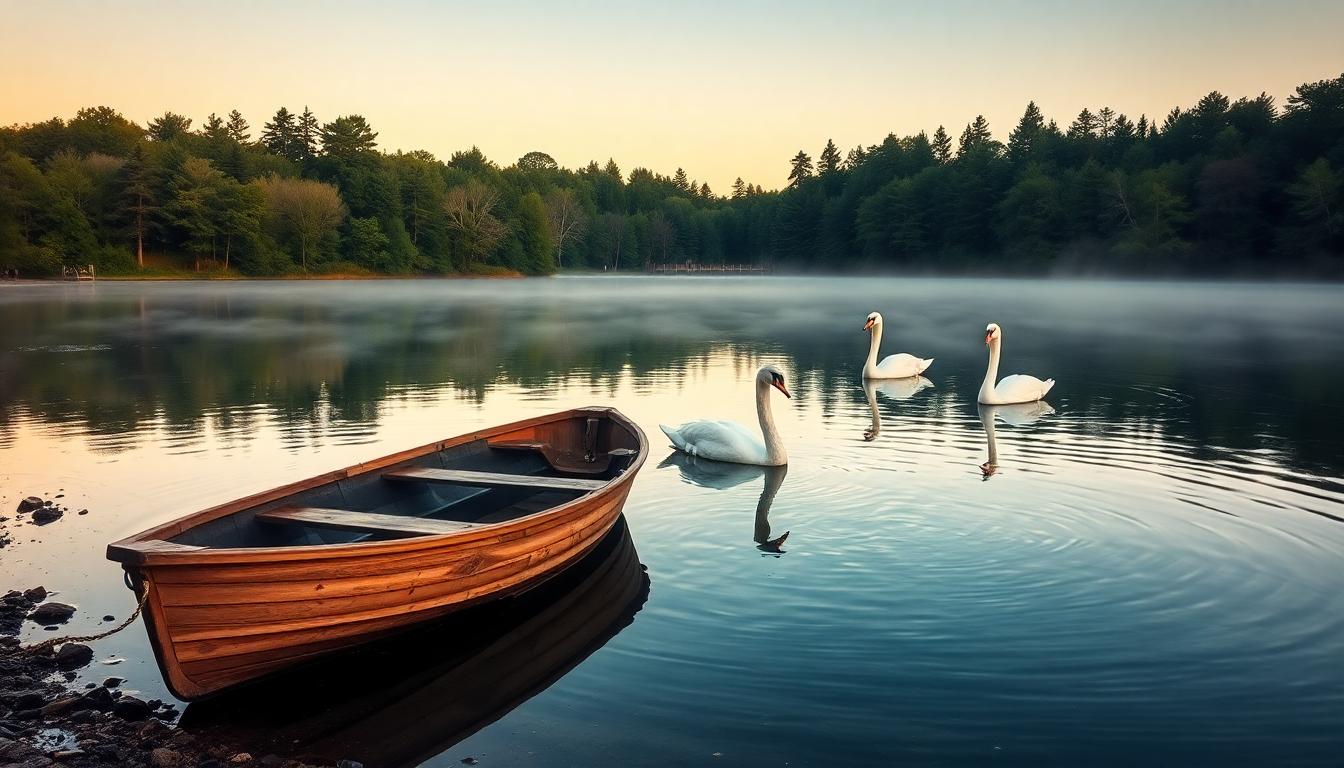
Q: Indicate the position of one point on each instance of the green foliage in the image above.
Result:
(170, 126)
(534, 237)
(1223, 186)
(368, 245)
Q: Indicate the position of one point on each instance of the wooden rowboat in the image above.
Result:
(247, 588)
(404, 700)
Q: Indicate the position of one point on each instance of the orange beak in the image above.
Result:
(988, 337)
(868, 325)
(780, 386)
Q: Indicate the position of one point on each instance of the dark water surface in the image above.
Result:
(1150, 569)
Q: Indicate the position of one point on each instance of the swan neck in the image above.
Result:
(991, 373)
(774, 446)
(874, 340)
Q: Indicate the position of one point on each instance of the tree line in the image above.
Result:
(1217, 188)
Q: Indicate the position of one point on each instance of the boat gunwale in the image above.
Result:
(138, 550)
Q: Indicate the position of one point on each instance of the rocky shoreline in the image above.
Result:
(49, 721)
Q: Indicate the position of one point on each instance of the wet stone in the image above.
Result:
(130, 708)
(99, 698)
(29, 504)
(36, 594)
(44, 515)
(73, 655)
(52, 613)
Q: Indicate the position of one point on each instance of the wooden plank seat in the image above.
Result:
(364, 522)
(494, 479)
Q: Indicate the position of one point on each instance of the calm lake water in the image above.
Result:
(1151, 570)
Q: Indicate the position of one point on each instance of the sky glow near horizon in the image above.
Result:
(720, 89)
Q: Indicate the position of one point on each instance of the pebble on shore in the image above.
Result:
(98, 726)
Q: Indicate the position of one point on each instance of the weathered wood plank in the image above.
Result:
(493, 479)
(368, 522)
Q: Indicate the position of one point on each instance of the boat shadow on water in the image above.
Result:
(403, 700)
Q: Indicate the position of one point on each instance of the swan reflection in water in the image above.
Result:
(1017, 415)
(404, 700)
(721, 475)
(892, 389)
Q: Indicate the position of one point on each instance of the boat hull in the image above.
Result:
(218, 618)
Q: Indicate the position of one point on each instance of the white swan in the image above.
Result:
(731, 441)
(1012, 389)
(897, 366)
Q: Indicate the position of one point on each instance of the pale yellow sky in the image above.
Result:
(721, 89)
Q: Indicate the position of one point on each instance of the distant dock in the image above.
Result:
(688, 269)
(79, 273)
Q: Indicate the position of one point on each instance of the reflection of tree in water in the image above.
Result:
(313, 357)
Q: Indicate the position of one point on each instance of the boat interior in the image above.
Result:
(475, 483)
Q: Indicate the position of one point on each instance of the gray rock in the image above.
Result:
(99, 698)
(130, 708)
(60, 706)
(29, 504)
(44, 515)
(113, 682)
(73, 655)
(36, 594)
(25, 699)
(52, 613)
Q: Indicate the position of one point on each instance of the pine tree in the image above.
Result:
(612, 170)
(139, 199)
(739, 189)
(942, 146)
(1085, 126)
(830, 159)
(1023, 138)
(1141, 130)
(855, 158)
(348, 136)
(1123, 129)
(214, 128)
(238, 127)
(168, 127)
(309, 133)
(975, 136)
(1105, 121)
(705, 191)
(280, 135)
(680, 180)
(802, 169)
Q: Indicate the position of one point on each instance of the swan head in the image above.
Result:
(770, 376)
(874, 321)
(993, 333)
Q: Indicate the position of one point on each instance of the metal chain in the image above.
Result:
(45, 644)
